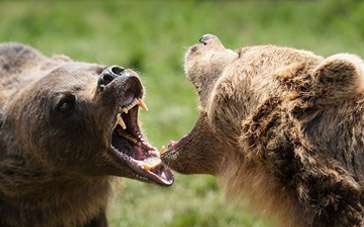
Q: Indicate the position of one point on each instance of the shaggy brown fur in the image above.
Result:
(56, 125)
(281, 127)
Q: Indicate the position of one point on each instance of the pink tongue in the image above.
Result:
(139, 153)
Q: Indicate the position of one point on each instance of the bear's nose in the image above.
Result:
(206, 38)
(109, 74)
(128, 79)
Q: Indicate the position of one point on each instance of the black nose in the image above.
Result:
(205, 38)
(109, 74)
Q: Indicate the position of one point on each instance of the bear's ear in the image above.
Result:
(340, 76)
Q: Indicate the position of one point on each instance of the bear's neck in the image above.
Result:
(22, 177)
(30, 195)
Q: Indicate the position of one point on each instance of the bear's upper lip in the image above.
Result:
(129, 144)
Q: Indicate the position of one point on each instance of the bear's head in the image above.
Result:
(233, 87)
(78, 118)
(201, 151)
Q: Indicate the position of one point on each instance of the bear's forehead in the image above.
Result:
(70, 77)
(72, 73)
(274, 53)
(77, 68)
(267, 59)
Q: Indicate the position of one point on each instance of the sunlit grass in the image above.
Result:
(152, 37)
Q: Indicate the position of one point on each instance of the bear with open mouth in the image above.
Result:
(280, 127)
(67, 128)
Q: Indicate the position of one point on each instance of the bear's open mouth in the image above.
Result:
(130, 145)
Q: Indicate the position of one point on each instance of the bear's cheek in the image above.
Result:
(225, 117)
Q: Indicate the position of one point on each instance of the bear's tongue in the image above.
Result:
(141, 156)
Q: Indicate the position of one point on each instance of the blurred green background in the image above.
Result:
(151, 37)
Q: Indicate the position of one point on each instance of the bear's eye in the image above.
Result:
(66, 103)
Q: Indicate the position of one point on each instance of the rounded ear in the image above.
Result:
(340, 76)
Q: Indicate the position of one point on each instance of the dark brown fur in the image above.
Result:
(286, 128)
(55, 170)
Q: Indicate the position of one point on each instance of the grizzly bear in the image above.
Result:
(281, 127)
(67, 128)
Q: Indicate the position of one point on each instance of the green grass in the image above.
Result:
(152, 38)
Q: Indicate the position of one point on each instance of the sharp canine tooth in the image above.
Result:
(162, 150)
(129, 138)
(121, 121)
(142, 104)
(151, 163)
(131, 105)
(125, 110)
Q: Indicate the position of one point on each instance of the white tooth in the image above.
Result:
(151, 163)
(120, 121)
(134, 103)
(129, 138)
(131, 105)
(125, 110)
(142, 104)
(162, 150)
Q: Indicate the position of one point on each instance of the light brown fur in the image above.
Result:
(282, 128)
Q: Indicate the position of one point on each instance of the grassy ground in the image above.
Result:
(152, 37)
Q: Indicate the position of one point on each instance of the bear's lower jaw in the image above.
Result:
(129, 146)
(198, 152)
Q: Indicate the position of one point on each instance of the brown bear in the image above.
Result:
(281, 127)
(67, 128)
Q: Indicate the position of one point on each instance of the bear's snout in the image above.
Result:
(128, 79)
(206, 38)
(110, 73)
